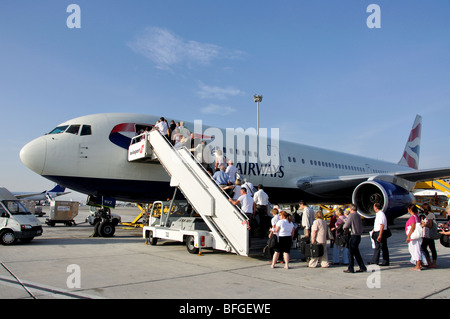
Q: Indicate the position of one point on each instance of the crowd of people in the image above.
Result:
(343, 231)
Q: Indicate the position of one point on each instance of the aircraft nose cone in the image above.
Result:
(33, 155)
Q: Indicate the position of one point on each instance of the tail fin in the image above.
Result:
(57, 189)
(412, 149)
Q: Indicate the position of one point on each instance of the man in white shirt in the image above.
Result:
(246, 202)
(249, 187)
(231, 171)
(162, 126)
(307, 218)
(380, 235)
(261, 204)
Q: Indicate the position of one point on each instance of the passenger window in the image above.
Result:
(86, 130)
(73, 129)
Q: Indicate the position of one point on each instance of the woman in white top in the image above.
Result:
(284, 229)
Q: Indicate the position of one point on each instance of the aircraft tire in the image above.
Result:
(106, 229)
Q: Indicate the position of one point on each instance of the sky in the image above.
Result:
(327, 78)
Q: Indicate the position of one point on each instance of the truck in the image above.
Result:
(16, 222)
(176, 221)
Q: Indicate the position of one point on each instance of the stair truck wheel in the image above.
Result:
(150, 239)
(190, 245)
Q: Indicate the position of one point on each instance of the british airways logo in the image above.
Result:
(258, 169)
(412, 150)
(121, 134)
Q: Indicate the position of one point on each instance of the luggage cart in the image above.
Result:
(62, 212)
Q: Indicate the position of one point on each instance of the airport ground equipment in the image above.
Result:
(227, 224)
(16, 222)
(438, 195)
(141, 219)
(441, 185)
(176, 220)
(62, 212)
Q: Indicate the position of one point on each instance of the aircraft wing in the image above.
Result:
(406, 179)
(38, 196)
(424, 174)
(24, 196)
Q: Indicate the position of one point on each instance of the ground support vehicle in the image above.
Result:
(16, 222)
(176, 220)
(225, 225)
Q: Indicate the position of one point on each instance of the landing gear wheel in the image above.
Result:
(8, 238)
(190, 245)
(106, 229)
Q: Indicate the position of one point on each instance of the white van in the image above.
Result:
(16, 222)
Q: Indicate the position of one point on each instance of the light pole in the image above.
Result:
(257, 99)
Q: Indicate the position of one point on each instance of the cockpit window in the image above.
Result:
(73, 129)
(86, 130)
(59, 129)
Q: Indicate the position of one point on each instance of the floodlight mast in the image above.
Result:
(257, 99)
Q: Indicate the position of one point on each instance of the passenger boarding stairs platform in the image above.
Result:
(227, 222)
(440, 185)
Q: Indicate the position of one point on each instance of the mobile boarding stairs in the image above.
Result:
(227, 225)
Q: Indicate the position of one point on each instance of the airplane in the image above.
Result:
(45, 195)
(89, 154)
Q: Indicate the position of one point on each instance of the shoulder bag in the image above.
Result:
(418, 231)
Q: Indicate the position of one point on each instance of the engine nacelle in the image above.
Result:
(393, 198)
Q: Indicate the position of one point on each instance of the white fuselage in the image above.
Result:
(94, 161)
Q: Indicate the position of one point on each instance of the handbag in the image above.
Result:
(445, 241)
(272, 242)
(386, 234)
(433, 232)
(313, 250)
(417, 233)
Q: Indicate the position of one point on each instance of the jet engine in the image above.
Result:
(393, 198)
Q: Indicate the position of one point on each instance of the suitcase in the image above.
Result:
(303, 242)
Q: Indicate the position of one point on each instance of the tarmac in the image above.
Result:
(67, 263)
